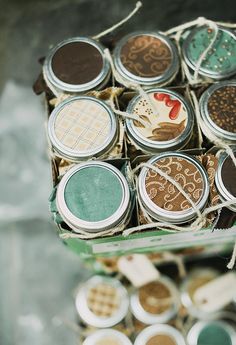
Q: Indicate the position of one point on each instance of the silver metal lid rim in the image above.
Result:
(154, 147)
(203, 71)
(195, 331)
(62, 86)
(88, 316)
(228, 137)
(70, 153)
(177, 217)
(128, 76)
(87, 226)
(148, 318)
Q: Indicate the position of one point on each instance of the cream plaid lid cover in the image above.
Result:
(102, 301)
(82, 127)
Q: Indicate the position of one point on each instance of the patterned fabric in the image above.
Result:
(146, 56)
(82, 125)
(103, 300)
(222, 108)
(210, 163)
(155, 298)
(221, 58)
(167, 196)
(169, 120)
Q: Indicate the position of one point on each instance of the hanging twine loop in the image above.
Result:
(120, 23)
(212, 25)
(177, 33)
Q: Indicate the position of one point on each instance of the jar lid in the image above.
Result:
(220, 60)
(218, 109)
(82, 127)
(146, 58)
(160, 334)
(77, 65)
(169, 120)
(93, 197)
(161, 199)
(196, 279)
(211, 333)
(225, 178)
(156, 302)
(107, 337)
(102, 302)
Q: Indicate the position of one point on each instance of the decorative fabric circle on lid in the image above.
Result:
(77, 65)
(81, 128)
(211, 333)
(169, 120)
(102, 302)
(156, 302)
(220, 62)
(218, 110)
(162, 199)
(146, 58)
(163, 334)
(225, 178)
(93, 197)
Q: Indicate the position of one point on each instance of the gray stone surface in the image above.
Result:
(39, 274)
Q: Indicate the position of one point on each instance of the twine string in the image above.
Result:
(128, 115)
(120, 23)
(173, 182)
(178, 31)
(215, 28)
(168, 227)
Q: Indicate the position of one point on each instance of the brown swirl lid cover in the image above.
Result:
(146, 56)
(164, 194)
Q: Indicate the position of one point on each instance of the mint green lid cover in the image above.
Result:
(211, 333)
(214, 334)
(93, 196)
(220, 61)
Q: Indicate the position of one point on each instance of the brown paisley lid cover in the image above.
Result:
(165, 114)
(167, 196)
(222, 108)
(146, 56)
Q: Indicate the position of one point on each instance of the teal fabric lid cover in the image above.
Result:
(220, 61)
(211, 333)
(93, 196)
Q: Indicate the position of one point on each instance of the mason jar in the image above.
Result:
(225, 178)
(160, 334)
(218, 110)
(82, 127)
(219, 62)
(169, 121)
(77, 65)
(195, 280)
(146, 58)
(107, 337)
(212, 333)
(93, 197)
(156, 302)
(102, 302)
(161, 199)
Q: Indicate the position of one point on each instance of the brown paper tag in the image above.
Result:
(216, 294)
(138, 269)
